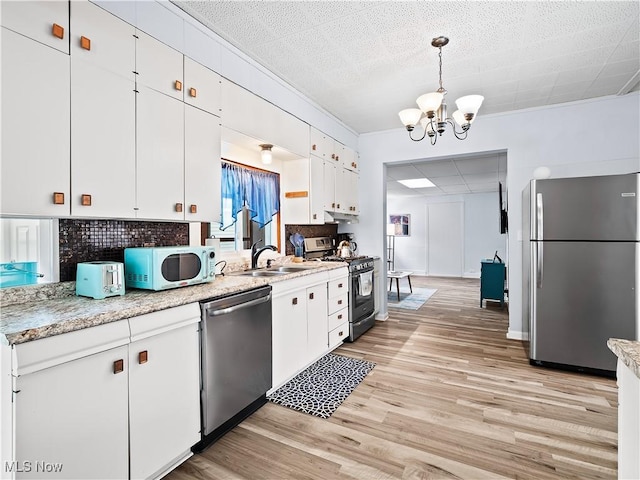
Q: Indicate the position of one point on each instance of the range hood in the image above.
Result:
(338, 217)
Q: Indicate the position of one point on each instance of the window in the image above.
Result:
(250, 207)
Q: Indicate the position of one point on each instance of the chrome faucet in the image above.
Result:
(255, 253)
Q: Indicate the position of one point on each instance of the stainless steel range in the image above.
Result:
(361, 283)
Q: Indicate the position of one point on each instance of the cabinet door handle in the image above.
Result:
(311, 295)
(337, 157)
(58, 198)
(192, 92)
(178, 207)
(193, 208)
(338, 206)
(333, 205)
(178, 85)
(333, 156)
(118, 366)
(314, 147)
(339, 285)
(340, 317)
(315, 216)
(85, 43)
(294, 301)
(57, 31)
(85, 200)
(340, 333)
(339, 302)
(143, 357)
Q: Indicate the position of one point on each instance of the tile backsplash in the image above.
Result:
(90, 240)
(308, 231)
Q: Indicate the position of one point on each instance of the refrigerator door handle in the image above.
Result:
(539, 236)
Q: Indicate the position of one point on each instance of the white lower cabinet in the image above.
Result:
(316, 322)
(338, 307)
(289, 333)
(164, 413)
(310, 318)
(71, 419)
(628, 422)
(119, 400)
(299, 311)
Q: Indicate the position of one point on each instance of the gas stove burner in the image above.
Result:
(335, 258)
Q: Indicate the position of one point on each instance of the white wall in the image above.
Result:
(594, 137)
(481, 231)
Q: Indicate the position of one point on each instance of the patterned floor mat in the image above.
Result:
(323, 386)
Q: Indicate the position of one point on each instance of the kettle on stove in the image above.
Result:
(344, 249)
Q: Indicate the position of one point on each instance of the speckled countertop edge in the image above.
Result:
(44, 317)
(628, 351)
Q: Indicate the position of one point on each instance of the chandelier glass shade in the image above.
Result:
(431, 113)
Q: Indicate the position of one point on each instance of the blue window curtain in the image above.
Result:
(257, 190)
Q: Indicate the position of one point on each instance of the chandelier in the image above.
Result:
(434, 107)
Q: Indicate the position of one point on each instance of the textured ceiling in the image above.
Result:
(365, 61)
(463, 174)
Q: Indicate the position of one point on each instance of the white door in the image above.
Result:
(160, 156)
(71, 419)
(35, 128)
(445, 252)
(164, 399)
(201, 165)
(289, 335)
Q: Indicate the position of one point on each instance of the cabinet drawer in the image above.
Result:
(338, 286)
(338, 302)
(337, 335)
(338, 318)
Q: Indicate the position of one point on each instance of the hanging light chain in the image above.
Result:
(440, 74)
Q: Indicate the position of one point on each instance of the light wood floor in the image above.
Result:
(450, 397)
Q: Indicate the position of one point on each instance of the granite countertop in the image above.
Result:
(61, 311)
(628, 351)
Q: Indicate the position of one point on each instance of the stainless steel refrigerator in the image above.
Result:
(581, 269)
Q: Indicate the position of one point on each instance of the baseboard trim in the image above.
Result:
(382, 316)
(517, 335)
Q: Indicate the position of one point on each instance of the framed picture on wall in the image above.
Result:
(401, 224)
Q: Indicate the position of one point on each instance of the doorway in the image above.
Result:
(445, 239)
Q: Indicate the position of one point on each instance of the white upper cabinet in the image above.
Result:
(201, 87)
(320, 144)
(251, 115)
(102, 114)
(349, 159)
(159, 66)
(201, 165)
(46, 22)
(99, 38)
(329, 183)
(34, 166)
(159, 156)
(303, 191)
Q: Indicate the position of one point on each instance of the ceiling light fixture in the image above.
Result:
(417, 183)
(434, 107)
(265, 153)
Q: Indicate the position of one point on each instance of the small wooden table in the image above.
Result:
(393, 275)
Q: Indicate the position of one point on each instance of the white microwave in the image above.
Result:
(162, 268)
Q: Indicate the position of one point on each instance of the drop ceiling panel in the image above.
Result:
(403, 172)
(437, 169)
(477, 165)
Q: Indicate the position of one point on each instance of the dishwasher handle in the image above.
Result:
(240, 306)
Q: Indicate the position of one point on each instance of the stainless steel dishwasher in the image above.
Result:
(236, 360)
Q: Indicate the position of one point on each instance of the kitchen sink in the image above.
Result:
(289, 269)
(259, 273)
